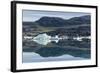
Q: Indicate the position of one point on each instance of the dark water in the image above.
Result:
(65, 49)
(56, 51)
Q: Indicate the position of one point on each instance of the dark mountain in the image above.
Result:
(80, 20)
(51, 21)
(59, 22)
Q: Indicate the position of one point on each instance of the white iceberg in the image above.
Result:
(44, 39)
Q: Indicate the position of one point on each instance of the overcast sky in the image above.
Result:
(33, 15)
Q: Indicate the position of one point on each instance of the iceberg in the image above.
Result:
(44, 39)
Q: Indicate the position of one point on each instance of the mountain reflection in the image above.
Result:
(45, 46)
(57, 51)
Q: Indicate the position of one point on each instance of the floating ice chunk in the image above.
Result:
(28, 37)
(78, 38)
(43, 39)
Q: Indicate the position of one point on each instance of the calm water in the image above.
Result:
(29, 57)
(54, 54)
(42, 49)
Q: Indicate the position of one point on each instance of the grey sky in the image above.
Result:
(33, 15)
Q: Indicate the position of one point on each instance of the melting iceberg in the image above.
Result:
(44, 39)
